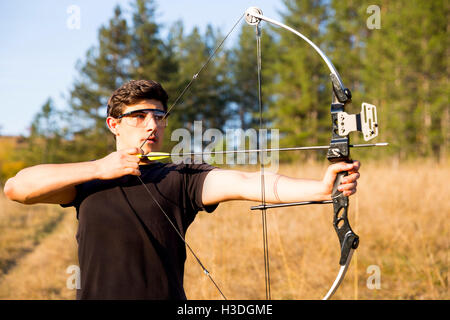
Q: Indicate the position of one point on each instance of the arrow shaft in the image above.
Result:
(161, 155)
(289, 204)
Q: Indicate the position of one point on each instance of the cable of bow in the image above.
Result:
(261, 164)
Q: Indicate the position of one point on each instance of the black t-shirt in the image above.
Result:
(127, 248)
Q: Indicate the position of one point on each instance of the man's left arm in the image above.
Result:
(225, 185)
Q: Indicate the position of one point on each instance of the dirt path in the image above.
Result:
(41, 273)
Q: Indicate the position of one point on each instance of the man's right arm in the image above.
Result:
(49, 183)
(55, 183)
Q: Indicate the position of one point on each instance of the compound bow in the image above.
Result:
(337, 151)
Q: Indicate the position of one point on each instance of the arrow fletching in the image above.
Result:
(152, 156)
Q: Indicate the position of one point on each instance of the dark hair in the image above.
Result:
(134, 92)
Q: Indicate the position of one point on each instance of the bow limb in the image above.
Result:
(339, 277)
(254, 15)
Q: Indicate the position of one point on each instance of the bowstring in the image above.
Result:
(195, 77)
(261, 159)
(182, 238)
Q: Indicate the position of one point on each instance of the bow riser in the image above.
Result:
(340, 151)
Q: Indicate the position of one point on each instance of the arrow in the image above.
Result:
(163, 155)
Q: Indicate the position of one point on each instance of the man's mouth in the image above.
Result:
(151, 140)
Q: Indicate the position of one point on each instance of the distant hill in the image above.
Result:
(13, 139)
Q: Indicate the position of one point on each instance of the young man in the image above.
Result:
(127, 248)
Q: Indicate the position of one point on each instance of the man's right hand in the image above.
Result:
(55, 183)
(119, 164)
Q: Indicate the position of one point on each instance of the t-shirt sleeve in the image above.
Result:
(195, 178)
(82, 191)
(75, 202)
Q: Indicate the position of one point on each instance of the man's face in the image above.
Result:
(134, 129)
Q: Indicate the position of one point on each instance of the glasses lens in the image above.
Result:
(141, 118)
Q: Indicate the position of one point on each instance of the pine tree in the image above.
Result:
(406, 71)
(105, 69)
(208, 97)
(301, 107)
(124, 52)
(346, 35)
(46, 143)
(151, 57)
(245, 79)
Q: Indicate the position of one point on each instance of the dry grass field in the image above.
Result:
(401, 213)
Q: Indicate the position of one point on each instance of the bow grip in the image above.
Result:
(335, 192)
(347, 238)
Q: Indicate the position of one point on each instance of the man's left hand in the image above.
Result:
(348, 183)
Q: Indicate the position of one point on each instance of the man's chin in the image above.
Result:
(150, 150)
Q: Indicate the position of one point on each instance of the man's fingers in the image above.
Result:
(356, 166)
(135, 172)
(132, 168)
(348, 193)
(344, 166)
(347, 186)
(348, 183)
(130, 155)
(341, 166)
(132, 151)
(351, 177)
(348, 189)
(130, 161)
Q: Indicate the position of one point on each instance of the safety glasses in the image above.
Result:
(141, 118)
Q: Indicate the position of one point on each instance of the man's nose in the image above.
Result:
(151, 123)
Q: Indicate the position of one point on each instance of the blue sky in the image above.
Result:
(38, 52)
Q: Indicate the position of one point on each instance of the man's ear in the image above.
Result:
(112, 124)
